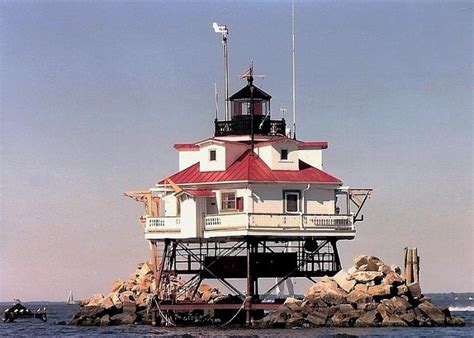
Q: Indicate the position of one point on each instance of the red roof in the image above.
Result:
(200, 193)
(313, 144)
(301, 144)
(250, 167)
(186, 146)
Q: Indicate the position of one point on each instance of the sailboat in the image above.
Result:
(70, 299)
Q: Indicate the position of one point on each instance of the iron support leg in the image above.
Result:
(248, 298)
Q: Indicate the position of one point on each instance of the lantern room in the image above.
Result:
(248, 98)
(250, 113)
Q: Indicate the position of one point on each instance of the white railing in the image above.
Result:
(284, 221)
(277, 222)
(339, 222)
(226, 221)
(162, 224)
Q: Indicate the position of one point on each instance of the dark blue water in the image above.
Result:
(62, 312)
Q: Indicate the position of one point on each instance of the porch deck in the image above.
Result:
(256, 224)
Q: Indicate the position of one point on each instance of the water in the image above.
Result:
(62, 312)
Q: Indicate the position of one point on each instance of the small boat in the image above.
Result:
(18, 310)
(70, 299)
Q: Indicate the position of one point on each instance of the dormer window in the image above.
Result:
(212, 155)
(284, 154)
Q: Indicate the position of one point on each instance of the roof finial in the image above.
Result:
(249, 75)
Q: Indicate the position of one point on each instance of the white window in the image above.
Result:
(212, 155)
(228, 201)
(291, 200)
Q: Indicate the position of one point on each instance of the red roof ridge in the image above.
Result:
(251, 168)
(187, 146)
(313, 144)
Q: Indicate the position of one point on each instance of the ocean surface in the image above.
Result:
(461, 304)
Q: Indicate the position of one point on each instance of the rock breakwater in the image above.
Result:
(129, 300)
(370, 293)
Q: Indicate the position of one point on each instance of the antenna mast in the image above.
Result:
(216, 99)
(293, 65)
(224, 31)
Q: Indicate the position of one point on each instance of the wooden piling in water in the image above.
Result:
(408, 266)
(416, 266)
(412, 266)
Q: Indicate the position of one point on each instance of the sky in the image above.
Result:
(95, 93)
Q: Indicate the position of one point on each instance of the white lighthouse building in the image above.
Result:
(249, 202)
(250, 179)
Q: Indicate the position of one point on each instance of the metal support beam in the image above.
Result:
(250, 258)
(359, 197)
(249, 295)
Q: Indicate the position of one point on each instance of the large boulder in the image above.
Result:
(117, 284)
(385, 269)
(402, 290)
(393, 320)
(127, 296)
(129, 306)
(124, 318)
(142, 300)
(346, 317)
(369, 318)
(409, 317)
(146, 269)
(143, 283)
(395, 268)
(393, 278)
(433, 313)
(293, 304)
(359, 297)
(372, 263)
(96, 300)
(396, 305)
(367, 276)
(275, 319)
(316, 318)
(333, 296)
(324, 284)
(105, 320)
(414, 289)
(362, 287)
(107, 303)
(296, 319)
(342, 279)
(380, 290)
(89, 311)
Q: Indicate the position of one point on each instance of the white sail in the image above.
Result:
(70, 298)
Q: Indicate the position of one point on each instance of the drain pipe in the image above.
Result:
(303, 200)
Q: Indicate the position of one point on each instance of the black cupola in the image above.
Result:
(250, 106)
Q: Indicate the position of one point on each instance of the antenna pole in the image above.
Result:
(226, 75)
(222, 29)
(293, 65)
(252, 114)
(216, 98)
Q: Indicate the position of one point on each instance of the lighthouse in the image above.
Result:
(249, 202)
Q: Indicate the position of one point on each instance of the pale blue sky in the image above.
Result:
(94, 95)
